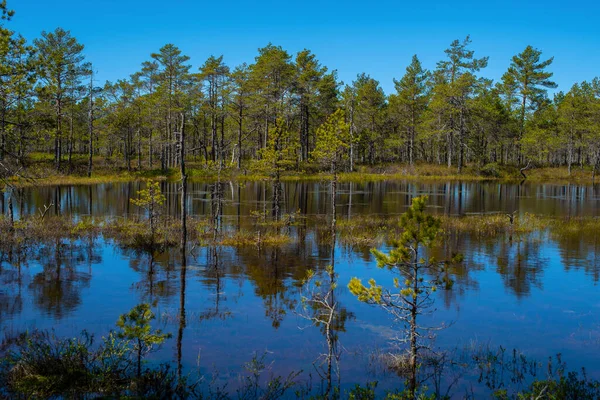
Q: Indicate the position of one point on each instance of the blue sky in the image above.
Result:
(377, 37)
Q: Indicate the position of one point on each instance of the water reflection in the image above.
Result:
(239, 199)
(224, 302)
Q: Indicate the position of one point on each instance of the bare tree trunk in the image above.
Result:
(57, 137)
(411, 144)
(352, 136)
(449, 145)
(91, 126)
(570, 151)
(277, 196)
(461, 141)
(412, 383)
(70, 139)
(11, 214)
(240, 128)
(333, 197)
(139, 148)
(525, 168)
(183, 242)
(3, 132)
(151, 149)
(182, 148)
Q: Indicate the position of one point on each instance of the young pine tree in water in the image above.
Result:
(151, 199)
(331, 150)
(135, 326)
(411, 295)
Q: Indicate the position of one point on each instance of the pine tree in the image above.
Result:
(573, 120)
(135, 326)
(369, 116)
(331, 150)
(308, 75)
(173, 79)
(60, 66)
(17, 77)
(527, 73)
(271, 78)
(410, 102)
(412, 292)
(214, 75)
(240, 93)
(459, 82)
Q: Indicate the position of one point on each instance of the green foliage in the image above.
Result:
(272, 112)
(411, 295)
(572, 386)
(359, 392)
(491, 170)
(332, 142)
(367, 392)
(151, 199)
(135, 326)
(276, 386)
(39, 364)
(280, 152)
(408, 105)
(528, 76)
(419, 229)
(46, 366)
(60, 69)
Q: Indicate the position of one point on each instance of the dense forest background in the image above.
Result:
(51, 107)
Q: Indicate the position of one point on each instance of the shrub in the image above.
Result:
(491, 170)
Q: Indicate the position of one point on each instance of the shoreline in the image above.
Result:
(422, 172)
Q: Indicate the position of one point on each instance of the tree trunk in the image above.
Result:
(3, 132)
(11, 214)
(461, 141)
(70, 140)
(57, 141)
(240, 131)
(352, 136)
(91, 127)
(412, 384)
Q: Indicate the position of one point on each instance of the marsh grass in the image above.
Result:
(40, 365)
(420, 172)
(365, 231)
(576, 227)
(136, 234)
(133, 233)
(43, 178)
(359, 232)
(33, 231)
(258, 239)
(109, 170)
(494, 225)
(41, 172)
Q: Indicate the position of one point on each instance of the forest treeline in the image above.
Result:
(226, 116)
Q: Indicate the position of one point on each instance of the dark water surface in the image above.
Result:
(539, 294)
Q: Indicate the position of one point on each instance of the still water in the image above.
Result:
(539, 294)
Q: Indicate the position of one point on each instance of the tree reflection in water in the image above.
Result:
(51, 275)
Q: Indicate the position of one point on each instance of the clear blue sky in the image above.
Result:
(377, 37)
